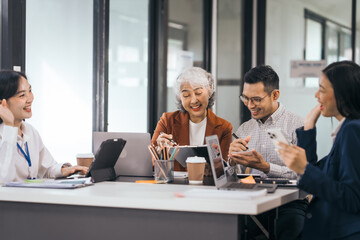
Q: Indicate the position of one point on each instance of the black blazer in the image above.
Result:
(334, 181)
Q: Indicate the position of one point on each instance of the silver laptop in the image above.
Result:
(134, 159)
(222, 181)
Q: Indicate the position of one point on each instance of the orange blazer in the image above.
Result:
(177, 124)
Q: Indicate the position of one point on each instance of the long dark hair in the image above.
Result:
(9, 83)
(345, 79)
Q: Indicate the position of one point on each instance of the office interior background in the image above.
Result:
(109, 65)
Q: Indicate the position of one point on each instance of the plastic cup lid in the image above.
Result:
(85, 155)
(195, 160)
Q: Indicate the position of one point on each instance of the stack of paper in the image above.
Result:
(57, 184)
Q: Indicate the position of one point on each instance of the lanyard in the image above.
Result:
(26, 155)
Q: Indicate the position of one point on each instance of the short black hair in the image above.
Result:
(264, 74)
(9, 83)
(345, 79)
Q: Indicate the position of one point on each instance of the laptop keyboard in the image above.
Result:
(241, 185)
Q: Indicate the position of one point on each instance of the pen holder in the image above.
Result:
(164, 170)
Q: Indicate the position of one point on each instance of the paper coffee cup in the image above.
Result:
(195, 168)
(84, 159)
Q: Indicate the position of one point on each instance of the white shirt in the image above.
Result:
(288, 122)
(337, 129)
(197, 132)
(13, 165)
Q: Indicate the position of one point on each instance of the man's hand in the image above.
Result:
(239, 145)
(251, 159)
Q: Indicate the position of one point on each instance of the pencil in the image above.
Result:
(173, 154)
(154, 155)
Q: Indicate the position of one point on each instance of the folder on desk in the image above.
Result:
(54, 184)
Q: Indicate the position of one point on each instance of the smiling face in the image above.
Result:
(195, 100)
(20, 103)
(268, 103)
(326, 98)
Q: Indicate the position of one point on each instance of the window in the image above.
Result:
(229, 62)
(325, 39)
(314, 47)
(128, 66)
(185, 41)
(59, 68)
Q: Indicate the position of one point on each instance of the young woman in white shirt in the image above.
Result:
(22, 152)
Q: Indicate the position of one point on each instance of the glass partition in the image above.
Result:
(128, 66)
(185, 41)
(229, 63)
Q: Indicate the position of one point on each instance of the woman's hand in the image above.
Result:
(165, 140)
(293, 156)
(312, 117)
(67, 171)
(5, 114)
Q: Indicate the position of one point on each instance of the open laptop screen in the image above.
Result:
(135, 159)
(215, 156)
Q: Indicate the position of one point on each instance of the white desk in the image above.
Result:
(114, 210)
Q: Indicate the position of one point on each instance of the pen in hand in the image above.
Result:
(236, 137)
(172, 141)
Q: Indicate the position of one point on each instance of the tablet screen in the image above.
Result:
(107, 154)
(190, 151)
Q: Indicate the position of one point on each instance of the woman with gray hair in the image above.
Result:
(195, 95)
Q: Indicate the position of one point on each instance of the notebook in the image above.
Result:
(56, 184)
(221, 180)
(135, 159)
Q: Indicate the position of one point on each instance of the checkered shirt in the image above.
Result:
(260, 141)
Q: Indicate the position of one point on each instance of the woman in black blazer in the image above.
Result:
(334, 181)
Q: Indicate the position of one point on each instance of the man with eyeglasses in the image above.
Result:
(260, 95)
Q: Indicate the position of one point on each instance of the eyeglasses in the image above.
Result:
(254, 100)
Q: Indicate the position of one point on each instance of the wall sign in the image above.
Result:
(304, 69)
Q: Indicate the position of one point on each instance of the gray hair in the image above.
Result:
(196, 77)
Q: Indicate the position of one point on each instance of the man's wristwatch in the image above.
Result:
(231, 162)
